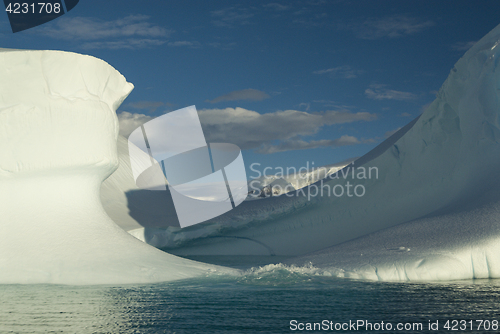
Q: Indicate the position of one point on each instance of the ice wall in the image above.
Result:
(447, 157)
(463, 244)
(115, 188)
(58, 131)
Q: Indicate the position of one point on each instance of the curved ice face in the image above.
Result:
(439, 173)
(58, 131)
(204, 180)
(463, 244)
(443, 160)
(49, 102)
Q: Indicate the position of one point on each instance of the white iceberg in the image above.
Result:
(275, 185)
(58, 131)
(439, 174)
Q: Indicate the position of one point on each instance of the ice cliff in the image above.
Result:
(439, 174)
(58, 131)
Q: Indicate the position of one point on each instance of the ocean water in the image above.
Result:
(262, 300)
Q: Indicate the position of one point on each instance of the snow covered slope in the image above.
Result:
(443, 162)
(58, 131)
(275, 185)
(461, 244)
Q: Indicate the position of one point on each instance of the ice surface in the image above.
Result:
(439, 175)
(116, 186)
(462, 244)
(58, 131)
(431, 214)
(143, 214)
(275, 185)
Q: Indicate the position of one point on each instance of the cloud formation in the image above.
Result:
(250, 130)
(244, 94)
(276, 6)
(228, 17)
(388, 27)
(344, 71)
(129, 122)
(265, 133)
(131, 43)
(299, 144)
(193, 44)
(380, 92)
(133, 31)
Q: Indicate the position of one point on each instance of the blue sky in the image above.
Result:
(290, 82)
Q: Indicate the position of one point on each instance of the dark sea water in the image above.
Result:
(262, 300)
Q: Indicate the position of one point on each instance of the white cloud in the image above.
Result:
(391, 27)
(244, 94)
(231, 16)
(276, 6)
(223, 46)
(194, 44)
(123, 44)
(250, 130)
(332, 104)
(129, 122)
(379, 92)
(299, 144)
(345, 72)
(266, 133)
(306, 105)
(133, 31)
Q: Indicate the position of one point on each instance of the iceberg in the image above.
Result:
(430, 213)
(276, 185)
(58, 135)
